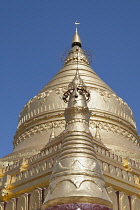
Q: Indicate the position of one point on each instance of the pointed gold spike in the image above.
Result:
(76, 38)
(97, 134)
(52, 135)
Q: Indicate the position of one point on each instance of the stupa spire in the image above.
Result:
(77, 179)
(76, 53)
(76, 38)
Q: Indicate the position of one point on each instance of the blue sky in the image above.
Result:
(35, 33)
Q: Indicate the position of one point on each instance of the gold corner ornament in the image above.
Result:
(5, 191)
(24, 165)
(126, 164)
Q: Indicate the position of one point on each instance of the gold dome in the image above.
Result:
(45, 111)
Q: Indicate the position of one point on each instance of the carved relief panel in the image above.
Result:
(135, 203)
(11, 205)
(22, 203)
(123, 202)
(35, 199)
(113, 197)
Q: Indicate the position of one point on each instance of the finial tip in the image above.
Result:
(76, 23)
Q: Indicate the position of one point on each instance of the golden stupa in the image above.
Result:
(82, 154)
